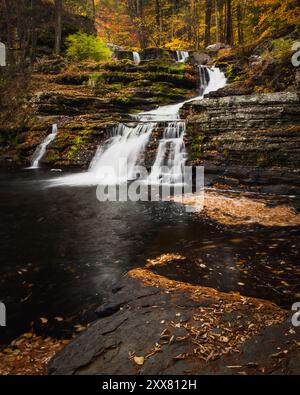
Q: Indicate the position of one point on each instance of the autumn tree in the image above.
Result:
(193, 24)
(239, 12)
(58, 26)
(208, 12)
(229, 28)
(136, 10)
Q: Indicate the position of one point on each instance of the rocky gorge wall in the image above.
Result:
(250, 141)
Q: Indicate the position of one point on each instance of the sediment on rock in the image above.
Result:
(190, 329)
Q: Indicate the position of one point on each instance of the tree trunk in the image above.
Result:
(8, 24)
(9, 32)
(94, 11)
(217, 21)
(58, 26)
(136, 11)
(229, 31)
(208, 9)
(195, 21)
(158, 17)
(240, 24)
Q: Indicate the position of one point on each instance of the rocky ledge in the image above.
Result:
(153, 325)
(85, 100)
(247, 140)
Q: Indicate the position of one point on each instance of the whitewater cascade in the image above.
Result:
(41, 149)
(182, 56)
(171, 156)
(126, 142)
(136, 57)
(129, 142)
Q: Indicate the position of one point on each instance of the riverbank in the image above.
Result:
(189, 330)
(60, 288)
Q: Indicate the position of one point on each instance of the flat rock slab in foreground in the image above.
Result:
(152, 325)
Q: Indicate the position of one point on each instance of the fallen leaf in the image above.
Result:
(28, 335)
(139, 360)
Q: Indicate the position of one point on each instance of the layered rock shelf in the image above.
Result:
(248, 140)
(153, 325)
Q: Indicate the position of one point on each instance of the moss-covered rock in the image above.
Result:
(154, 54)
(83, 98)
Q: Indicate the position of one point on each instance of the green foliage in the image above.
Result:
(123, 98)
(282, 48)
(197, 146)
(81, 46)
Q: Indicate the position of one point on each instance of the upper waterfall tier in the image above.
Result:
(210, 79)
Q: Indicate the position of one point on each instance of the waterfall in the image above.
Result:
(171, 156)
(41, 149)
(182, 56)
(128, 142)
(136, 57)
(204, 78)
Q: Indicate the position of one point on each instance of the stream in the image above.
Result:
(62, 250)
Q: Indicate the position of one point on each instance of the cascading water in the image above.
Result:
(128, 143)
(204, 78)
(136, 57)
(182, 56)
(171, 156)
(41, 149)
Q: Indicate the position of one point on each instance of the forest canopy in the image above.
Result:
(26, 25)
(191, 24)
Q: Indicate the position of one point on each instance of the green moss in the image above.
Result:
(262, 159)
(167, 89)
(282, 48)
(156, 71)
(67, 145)
(51, 157)
(232, 71)
(72, 152)
(197, 146)
(165, 82)
(123, 98)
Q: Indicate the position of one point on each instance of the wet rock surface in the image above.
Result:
(247, 140)
(85, 100)
(153, 325)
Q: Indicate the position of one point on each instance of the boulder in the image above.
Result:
(214, 48)
(114, 47)
(200, 58)
(121, 55)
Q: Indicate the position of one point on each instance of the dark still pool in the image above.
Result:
(62, 251)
